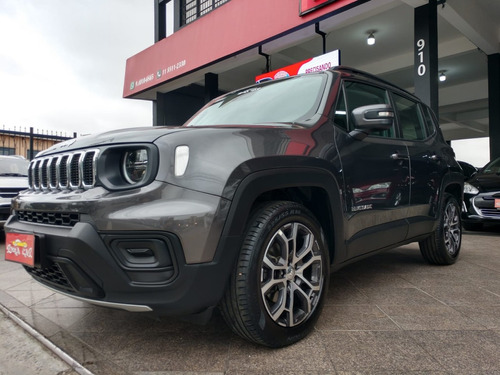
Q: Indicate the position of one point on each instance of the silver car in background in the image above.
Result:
(13, 179)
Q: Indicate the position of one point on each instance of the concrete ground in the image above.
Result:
(20, 353)
(389, 314)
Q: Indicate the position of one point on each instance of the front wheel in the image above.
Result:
(277, 289)
(443, 246)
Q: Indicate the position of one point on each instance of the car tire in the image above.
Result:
(443, 245)
(278, 286)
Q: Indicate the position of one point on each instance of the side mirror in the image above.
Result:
(371, 118)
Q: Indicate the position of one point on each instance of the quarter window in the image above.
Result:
(429, 120)
(340, 116)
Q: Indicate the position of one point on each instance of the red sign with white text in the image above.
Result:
(315, 64)
(307, 6)
(20, 248)
(207, 40)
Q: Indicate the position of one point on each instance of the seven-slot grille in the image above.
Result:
(68, 171)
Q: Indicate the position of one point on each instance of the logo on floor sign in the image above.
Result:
(20, 248)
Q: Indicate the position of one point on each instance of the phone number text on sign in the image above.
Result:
(171, 68)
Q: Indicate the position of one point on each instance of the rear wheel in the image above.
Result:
(277, 289)
(443, 246)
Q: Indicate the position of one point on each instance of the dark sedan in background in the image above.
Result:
(482, 197)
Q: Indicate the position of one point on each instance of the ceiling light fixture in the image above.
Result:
(442, 75)
(371, 38)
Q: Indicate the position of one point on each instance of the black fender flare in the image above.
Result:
(257, 183)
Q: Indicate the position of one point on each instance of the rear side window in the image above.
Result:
(411, 120)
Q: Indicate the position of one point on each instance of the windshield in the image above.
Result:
(286, 101)
(492, 167)
(14, 167)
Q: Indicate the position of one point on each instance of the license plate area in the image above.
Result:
(25, 248)
(497, 203)
(20, 248)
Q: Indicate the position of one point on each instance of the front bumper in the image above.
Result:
(114, 269)
(153, 248)
(481, 208)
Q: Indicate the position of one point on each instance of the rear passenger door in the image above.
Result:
(418, 130)
(376, 176)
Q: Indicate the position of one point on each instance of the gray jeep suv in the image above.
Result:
(248, 206)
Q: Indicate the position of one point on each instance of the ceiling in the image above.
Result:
(468, 31)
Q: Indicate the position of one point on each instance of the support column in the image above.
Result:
(426, 55)
(159, 109)
(176, 107)
(493, 104)
(160, 19)
(211, 86)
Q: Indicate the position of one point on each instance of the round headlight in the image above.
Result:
(135, 165)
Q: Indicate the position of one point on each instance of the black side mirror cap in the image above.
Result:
(371, 118)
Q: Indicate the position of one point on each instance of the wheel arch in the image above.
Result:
(456, 190)
(314, 188)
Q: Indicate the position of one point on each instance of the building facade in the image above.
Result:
(445, 51)
(27, 142)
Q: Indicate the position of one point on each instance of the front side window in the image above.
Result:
(284, 101)
(359, 95)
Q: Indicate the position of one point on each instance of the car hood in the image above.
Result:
(13, 182)
(486, 182)
(130, 135)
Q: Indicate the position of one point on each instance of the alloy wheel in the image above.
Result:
(291, 275)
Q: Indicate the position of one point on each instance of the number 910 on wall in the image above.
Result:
(421, 69)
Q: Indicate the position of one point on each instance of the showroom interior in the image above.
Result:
(447, 52)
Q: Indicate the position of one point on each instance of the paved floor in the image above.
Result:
(22, 354)
(389, 314)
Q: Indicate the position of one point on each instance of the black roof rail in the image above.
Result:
(348, 69)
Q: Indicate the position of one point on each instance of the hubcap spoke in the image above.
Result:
(291, 275)
(451, 229)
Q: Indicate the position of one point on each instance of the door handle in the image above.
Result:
(432, 157)
(435, 157)
(398, 156)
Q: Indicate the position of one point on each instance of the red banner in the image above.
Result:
(315, 64)
(230, 29)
